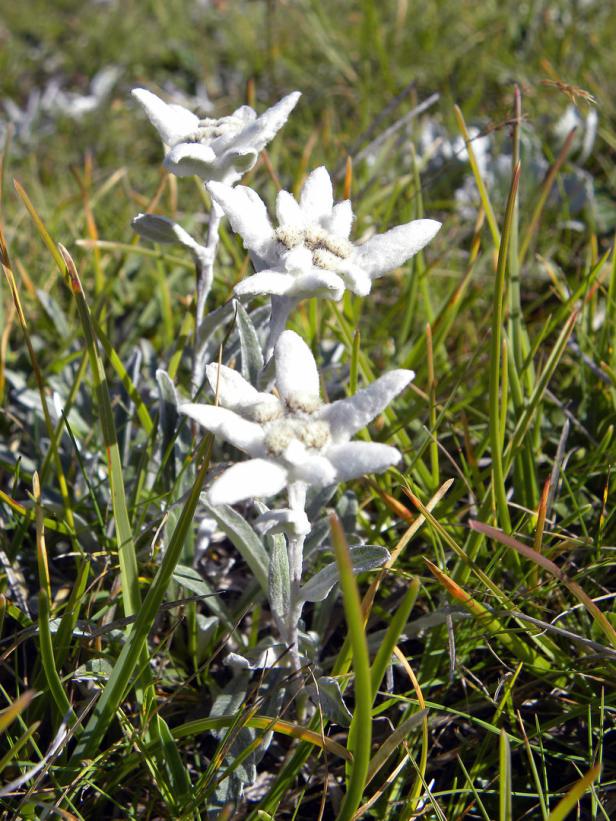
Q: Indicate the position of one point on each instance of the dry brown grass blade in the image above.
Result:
(368, 599)
(10, 713)
(573, 587)
(348, 179)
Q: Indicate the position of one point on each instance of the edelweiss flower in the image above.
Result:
(212, 149)
(293, 437)
(310, 254)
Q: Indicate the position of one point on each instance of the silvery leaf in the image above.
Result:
(258, 658)
(284, 520)
(97, 669)
(244, 539)
(168, 414)
(54, 312)
(206, 629)
(192, 581)
(318, 499)
(279, 593)
(347, 509)
(252, 356)
(316, 537)
(327, 694)
(364, 558)
(230, 702)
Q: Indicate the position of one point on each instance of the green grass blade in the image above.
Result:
(48, 662)
(483, 191)
(534, 400)
(62, 484)
(397, 624)
(71, 614)
(16, 746)
(516, 646)
(498, 477)
(118, 366)
(534, 771)
(129, 658)
(606, 346)
(124, 537)
(40, 225)
(530, 553)
(473, 789)
(360, 733)
(504, 778)
(535, 220)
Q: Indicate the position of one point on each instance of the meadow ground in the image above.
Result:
(499, 699)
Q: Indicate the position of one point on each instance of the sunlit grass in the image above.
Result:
(500, 523)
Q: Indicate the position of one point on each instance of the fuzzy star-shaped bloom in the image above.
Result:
(309, 253)
(222, 149)
(292, 436)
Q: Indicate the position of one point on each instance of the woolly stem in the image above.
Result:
(281, 308)
(297, 503)
(204, 268)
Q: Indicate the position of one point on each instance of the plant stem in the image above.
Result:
(297, 502)
(281, 308)
(204, 265)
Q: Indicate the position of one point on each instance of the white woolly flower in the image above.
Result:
(292, 436)
(214, 149)
(310, 254)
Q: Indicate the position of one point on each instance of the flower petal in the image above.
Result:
(387, 251)
(354, 459)
(238, 160)
(265, 282)
(301, 286)
(314, 470)
(341, 219)
(233, 390)
(245, 113)
(188, 159)
(297, 259)
(283, 521)
(241, 433)
(246, 480)
(317, 197)
(318, 282)
(247, 214)
(355, 277)
(346, 416)
(288, 211)
(258, 133)
(173, 122)
(297, 378)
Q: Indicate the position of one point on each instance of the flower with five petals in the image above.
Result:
(292, 437)
(222, 149)
(309, 253)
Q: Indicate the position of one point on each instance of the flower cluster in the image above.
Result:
(294, 441)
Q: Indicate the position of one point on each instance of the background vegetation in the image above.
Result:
(511, 651)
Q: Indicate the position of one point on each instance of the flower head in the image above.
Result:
(222, 149)
(309, 253)
(292, 436)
